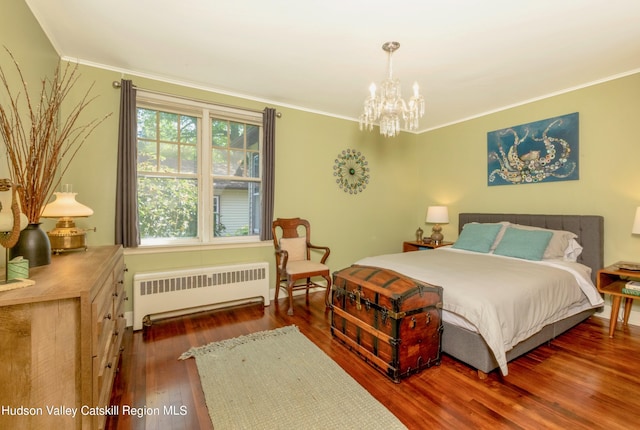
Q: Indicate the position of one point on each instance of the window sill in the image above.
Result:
(162, 249)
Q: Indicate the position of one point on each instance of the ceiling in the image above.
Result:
(470, 57)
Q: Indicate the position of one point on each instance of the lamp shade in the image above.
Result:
(437, 215)
(65, 205)
(636, 223)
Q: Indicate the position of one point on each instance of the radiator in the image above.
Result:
(184, 291)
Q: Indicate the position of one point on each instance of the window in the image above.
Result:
(199, 172)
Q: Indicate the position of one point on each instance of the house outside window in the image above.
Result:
(199, 172)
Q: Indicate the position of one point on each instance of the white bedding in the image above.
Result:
(506, 300)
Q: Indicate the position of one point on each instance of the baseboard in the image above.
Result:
(129, 315)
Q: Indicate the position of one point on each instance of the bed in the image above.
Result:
(472, 282)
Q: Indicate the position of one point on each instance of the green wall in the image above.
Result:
(609, 148)
(408, 173)
(21, 34)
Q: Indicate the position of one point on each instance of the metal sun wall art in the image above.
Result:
(541, 151)
(351, 171)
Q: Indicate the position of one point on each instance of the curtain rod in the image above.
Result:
(117, 85)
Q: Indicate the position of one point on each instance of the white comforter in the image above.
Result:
(506, 299)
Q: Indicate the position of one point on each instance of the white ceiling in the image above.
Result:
(470, 57)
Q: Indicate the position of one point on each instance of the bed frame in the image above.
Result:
(469, 347)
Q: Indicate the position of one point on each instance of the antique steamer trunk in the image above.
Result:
(392, 321)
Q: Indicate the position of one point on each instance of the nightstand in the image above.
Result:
(418, 246)
(610, 281)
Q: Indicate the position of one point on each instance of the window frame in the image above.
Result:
(205, 113)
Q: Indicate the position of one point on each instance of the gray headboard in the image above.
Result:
(589, 228)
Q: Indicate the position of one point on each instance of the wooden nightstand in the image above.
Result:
(610, 281)
(412, 245)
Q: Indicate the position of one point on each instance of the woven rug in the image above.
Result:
(279, 379)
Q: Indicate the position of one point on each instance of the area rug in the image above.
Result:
(279, 379)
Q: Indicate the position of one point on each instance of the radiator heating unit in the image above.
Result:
(184, 291)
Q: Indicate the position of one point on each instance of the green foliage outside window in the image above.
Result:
(167, 201)
(168, 207)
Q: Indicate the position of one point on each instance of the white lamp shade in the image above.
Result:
(65, 205)
(437, 215)
(636, 223)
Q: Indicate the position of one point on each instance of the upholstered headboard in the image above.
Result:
(589, 228)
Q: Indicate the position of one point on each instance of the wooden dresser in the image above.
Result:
(60, 342)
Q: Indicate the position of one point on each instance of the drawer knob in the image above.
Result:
(108, 365)
(108, 316)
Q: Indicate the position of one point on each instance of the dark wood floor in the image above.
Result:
(581, 380)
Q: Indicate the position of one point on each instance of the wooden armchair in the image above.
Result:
(291, 238)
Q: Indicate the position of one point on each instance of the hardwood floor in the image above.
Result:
(581, 380)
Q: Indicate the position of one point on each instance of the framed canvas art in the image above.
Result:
(540, 151)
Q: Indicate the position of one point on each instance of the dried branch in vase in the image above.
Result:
(41, 143)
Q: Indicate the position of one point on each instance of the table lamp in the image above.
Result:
(65, 236)
(438, 215)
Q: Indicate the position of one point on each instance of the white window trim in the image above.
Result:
(203, 111)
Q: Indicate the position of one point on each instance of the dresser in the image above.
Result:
(60, 342)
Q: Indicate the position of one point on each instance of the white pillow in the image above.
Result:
(296, 247)
(573, 251)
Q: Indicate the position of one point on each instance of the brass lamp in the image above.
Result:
(438, 215)
(66, 236)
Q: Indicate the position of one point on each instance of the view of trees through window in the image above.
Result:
(170, 183)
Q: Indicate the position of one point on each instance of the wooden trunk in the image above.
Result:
(392, 321)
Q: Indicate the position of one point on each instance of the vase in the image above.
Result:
(33, 245)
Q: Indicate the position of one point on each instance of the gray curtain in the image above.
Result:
(268, 167)
(127, 233)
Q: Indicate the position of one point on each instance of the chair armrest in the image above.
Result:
(326, 250)
(282, 256)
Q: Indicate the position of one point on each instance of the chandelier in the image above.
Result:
(387, 107)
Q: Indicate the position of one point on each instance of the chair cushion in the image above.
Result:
(305, 266)
(296, 247)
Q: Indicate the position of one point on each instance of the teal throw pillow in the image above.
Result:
(526, 244)
(477, 237)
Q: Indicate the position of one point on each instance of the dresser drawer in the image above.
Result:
(103, 317)
(109, 327)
